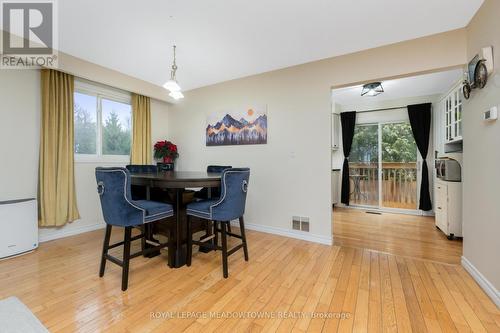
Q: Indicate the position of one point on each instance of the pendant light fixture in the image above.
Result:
(172, 85)
(372, 89)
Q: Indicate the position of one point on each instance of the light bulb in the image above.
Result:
(172, 86)
(176, 95)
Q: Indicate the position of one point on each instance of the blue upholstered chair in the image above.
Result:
(230, 206)
(119, 210)
(217, 168)
(142, 192)
(214, 192)
(142, 168)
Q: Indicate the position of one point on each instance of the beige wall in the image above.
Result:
(481, 209)
(291, 174)
(19, 138)
(19, 133)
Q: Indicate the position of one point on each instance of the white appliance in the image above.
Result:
(448, 195)
(19, 225)
(335, 186)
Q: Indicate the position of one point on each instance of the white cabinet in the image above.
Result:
(441, 206)
(448, 207)
(335, 131)
(447, 119)
(452, 105)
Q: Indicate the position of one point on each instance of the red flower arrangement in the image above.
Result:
(166, 150)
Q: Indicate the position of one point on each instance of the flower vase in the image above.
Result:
(167, 164)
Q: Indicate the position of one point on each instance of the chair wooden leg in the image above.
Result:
(229, 227)
(105, 246)
(243, 238)
(224, 248)
(216, 236)
(144, 229)
(126, 257)
(189, 254)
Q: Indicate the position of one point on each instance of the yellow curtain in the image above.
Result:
(56, 180)
(141, 130)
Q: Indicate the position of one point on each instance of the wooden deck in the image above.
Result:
(398, 181)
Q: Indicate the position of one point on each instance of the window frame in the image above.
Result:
(101, 92)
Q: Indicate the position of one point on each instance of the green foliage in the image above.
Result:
(115, 138)
(398, 144)
(364, 144)
(85, 131)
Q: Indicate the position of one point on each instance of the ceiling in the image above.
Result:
(415, 86)
(219, 40)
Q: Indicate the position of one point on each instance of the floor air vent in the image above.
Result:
(300, 223)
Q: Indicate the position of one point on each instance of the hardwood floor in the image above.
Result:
(348, 289)
(403, 235)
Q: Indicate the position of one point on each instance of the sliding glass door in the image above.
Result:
(383, 166)
(399, 166)
(364, 165)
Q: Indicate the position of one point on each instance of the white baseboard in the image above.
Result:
(288, 233)
(61, 232)
(486, 285)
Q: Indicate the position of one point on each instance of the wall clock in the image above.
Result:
(466, 89)
(480, 75)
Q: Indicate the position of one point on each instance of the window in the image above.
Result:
(103, 123)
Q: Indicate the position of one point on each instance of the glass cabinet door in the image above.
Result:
(453, 115)
(449, 121)
(458, 114)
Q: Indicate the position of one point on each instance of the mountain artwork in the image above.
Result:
(245, 127)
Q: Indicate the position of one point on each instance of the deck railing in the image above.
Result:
(399, 184)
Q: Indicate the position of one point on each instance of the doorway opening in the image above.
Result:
(385, 167)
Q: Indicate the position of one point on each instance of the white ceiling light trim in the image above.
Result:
(172, 85)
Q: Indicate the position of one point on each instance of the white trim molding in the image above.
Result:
(48, 234)
(486, 285)
(287, 233)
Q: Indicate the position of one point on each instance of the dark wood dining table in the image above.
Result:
(177, 181)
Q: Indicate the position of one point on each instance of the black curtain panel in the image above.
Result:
(420, 120)
(348, 121)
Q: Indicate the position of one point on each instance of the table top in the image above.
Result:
(177, 179)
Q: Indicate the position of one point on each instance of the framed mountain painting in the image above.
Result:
(247, 126)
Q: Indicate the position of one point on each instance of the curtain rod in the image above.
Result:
(384, 109)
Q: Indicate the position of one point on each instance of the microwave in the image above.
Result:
(448, 169)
